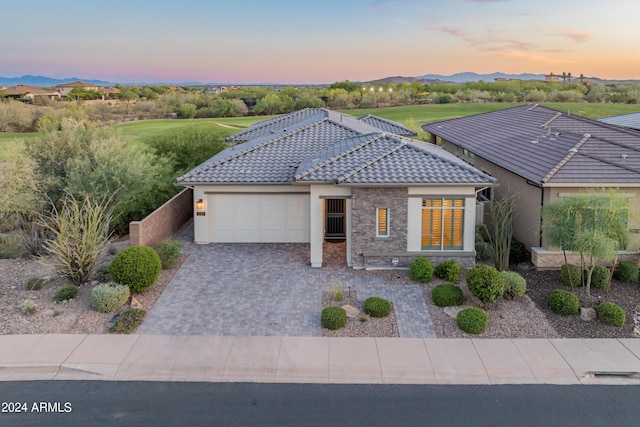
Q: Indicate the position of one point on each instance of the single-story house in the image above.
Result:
(66, 88)
(29, 93)
(315, 175)
(543, 155)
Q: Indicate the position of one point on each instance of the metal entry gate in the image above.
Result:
(335, 214)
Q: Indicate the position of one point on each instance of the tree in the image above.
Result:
(274, 103)
(594, 224)
(346, 85)
(501, 214)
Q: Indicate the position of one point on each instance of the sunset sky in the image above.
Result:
(300, 41)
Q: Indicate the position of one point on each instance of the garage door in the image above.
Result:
(259, 218)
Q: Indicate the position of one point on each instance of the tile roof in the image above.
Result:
(387, 125)
(631, 120)
(363, 124)
(324, 146)
(23, 90)
(547, 146)
(381, 158)
(76, 84)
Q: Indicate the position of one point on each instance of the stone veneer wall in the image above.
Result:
(164, 222)
(364, 202)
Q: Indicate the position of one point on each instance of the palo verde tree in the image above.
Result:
(593, 225)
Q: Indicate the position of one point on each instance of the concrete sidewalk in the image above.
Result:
(319, 360)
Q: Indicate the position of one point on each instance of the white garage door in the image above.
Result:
(258, 218)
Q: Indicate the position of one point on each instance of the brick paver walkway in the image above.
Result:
(265, 289)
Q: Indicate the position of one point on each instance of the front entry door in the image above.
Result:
(334, 218)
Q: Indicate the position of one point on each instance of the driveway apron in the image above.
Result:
(267, 289)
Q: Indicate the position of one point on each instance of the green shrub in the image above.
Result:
(107, 297)
(34, 283)
(472, 320)
(28, 307)
(600, 277)
(626, 272)
(137, 267)
(517, 252)
(611, 314)
(169, 252)
(421, 270)
(485, 283)
(515, 284)
(377, 307)
(66, 293)
(449, 271)
(564, 302)
(101, 272)
(11, 246)
(447, 295)
(573, 271)
(333, 318)
(128, 321)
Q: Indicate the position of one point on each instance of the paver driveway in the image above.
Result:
(267, 289)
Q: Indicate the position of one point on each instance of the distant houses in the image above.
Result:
(60, 91)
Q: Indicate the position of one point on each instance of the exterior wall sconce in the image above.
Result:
(200, 204)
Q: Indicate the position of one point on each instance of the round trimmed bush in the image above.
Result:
(472, 320)
(447, 295)
(517, 252)
(611, 314)
(564, 302)
(570, 270)
(377, 307)
(107, 297)
(515, 285)
(333, 318)
(485, 283)
(137, 267)
(66, 293)
(600, 277)
(626, 272)
(421, 270)
(449, 271)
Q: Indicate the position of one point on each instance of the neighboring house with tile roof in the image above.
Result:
(316, 175)
(544, 155)
(631, 120)
(66, 88)
(28, 93)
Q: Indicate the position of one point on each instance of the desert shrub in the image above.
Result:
(600, 277)
(515, 284)
(33, 237)
(128, 321)
(377, 307)
(28, 307)
(626, 272)
(10, 246)
(421, 270)
(336, 292)
(517, 252)
(564, 302)
(66, 293)
(447, 295)
(485, 283)
(449, 271)
(333, 318)
(611, 314)
(169, 252)
(34, 283)
(101, 272)
(137, 267)
(107, 297)
(573, 271)
(79, 230)
(472, 320)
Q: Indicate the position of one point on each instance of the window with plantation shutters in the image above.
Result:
(442, 223)
(382, 222)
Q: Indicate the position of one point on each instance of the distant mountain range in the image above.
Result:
(46, 81)
(427, 78)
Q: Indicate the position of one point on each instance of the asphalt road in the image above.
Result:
(101, 403)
